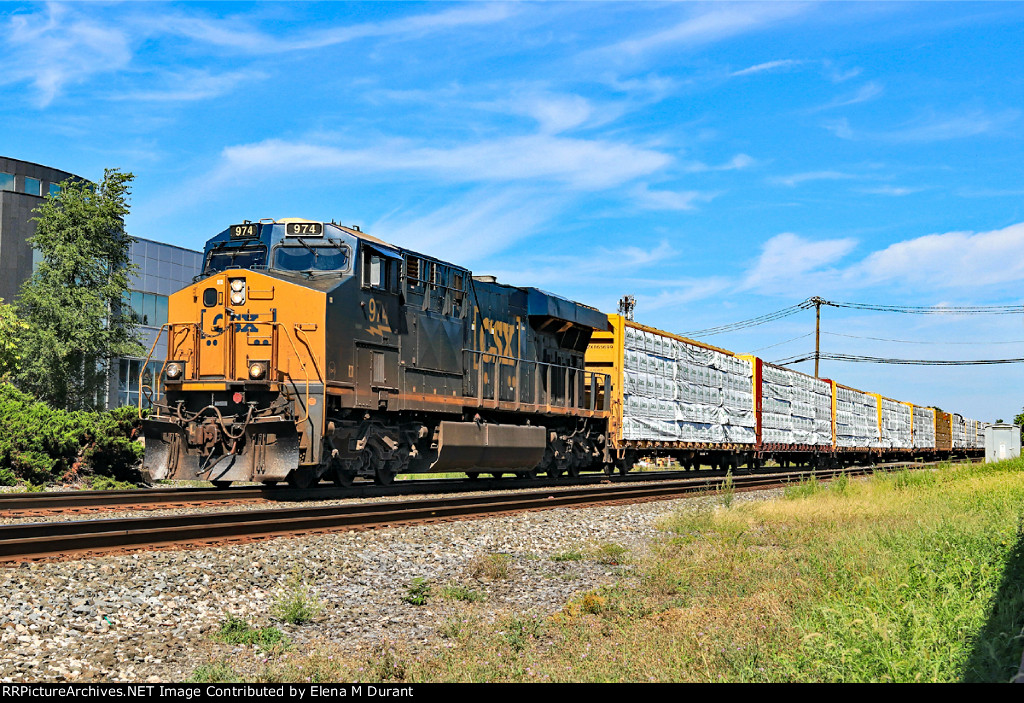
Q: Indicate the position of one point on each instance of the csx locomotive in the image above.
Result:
(309, 350)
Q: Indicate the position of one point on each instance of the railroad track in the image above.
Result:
(76, 539)
(22, 505)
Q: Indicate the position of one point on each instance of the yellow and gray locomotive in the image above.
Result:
(310, 350)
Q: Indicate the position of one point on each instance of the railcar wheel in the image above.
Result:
(554, 473)
(220, 484)
(472, 475)
(497, 474)
(609, 469)
(527, 475)
(623, 465)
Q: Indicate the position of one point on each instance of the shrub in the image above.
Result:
(41, 444)
(294, 604)
(417, 592)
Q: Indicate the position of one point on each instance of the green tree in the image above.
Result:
(10, 334)
(72, 303)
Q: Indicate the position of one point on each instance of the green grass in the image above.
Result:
(106, 483)
(455, 592)
(237, 631)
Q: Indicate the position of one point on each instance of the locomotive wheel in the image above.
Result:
(302, 477)
(342, 476)
(383, 476)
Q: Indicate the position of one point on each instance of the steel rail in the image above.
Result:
(23, 542)
(90, 502)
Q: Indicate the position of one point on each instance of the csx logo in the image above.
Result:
(499, 337)
(244, 326)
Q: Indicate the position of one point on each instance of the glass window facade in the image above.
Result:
(6, 181)
(54, 190)
(147, 309)
(33, 186)
(128, 388)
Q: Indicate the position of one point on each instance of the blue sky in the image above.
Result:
(716, 161)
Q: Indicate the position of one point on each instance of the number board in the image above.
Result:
(304, 229)
(249, 229)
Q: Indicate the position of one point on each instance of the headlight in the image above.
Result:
(237, 291)
(174, 370)
(257, 369)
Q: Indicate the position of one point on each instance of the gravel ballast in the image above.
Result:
(151, 616)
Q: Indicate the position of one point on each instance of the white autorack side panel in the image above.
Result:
(856, 418)
(924, 427)
(795, 408)
(896, 419)
(681, 392)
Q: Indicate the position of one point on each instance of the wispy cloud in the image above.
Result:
(787, 256)
(840, 75)
(799, 178)
(670, 199)
(715, 25)
(584, 164)
(57, 47)
(736, 163)
(868, 91)
(895, 191)
(188, 85)
(471, 228)
(933, 127)
(768, 66)
(238, 34)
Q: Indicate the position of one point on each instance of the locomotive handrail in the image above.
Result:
(152, 348)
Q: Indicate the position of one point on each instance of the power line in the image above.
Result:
(752, 322)
(910, 341)
(934, 309)
(857, 358)
(779, 344)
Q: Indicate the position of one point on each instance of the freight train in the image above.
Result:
(309, 350)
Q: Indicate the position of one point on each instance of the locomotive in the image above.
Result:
(309, 350)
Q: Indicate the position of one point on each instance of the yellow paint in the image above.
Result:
(204, 386)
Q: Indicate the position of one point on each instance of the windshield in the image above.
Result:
(238, 257)
(322, 257)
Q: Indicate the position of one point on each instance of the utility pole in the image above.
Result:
(817, 332)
